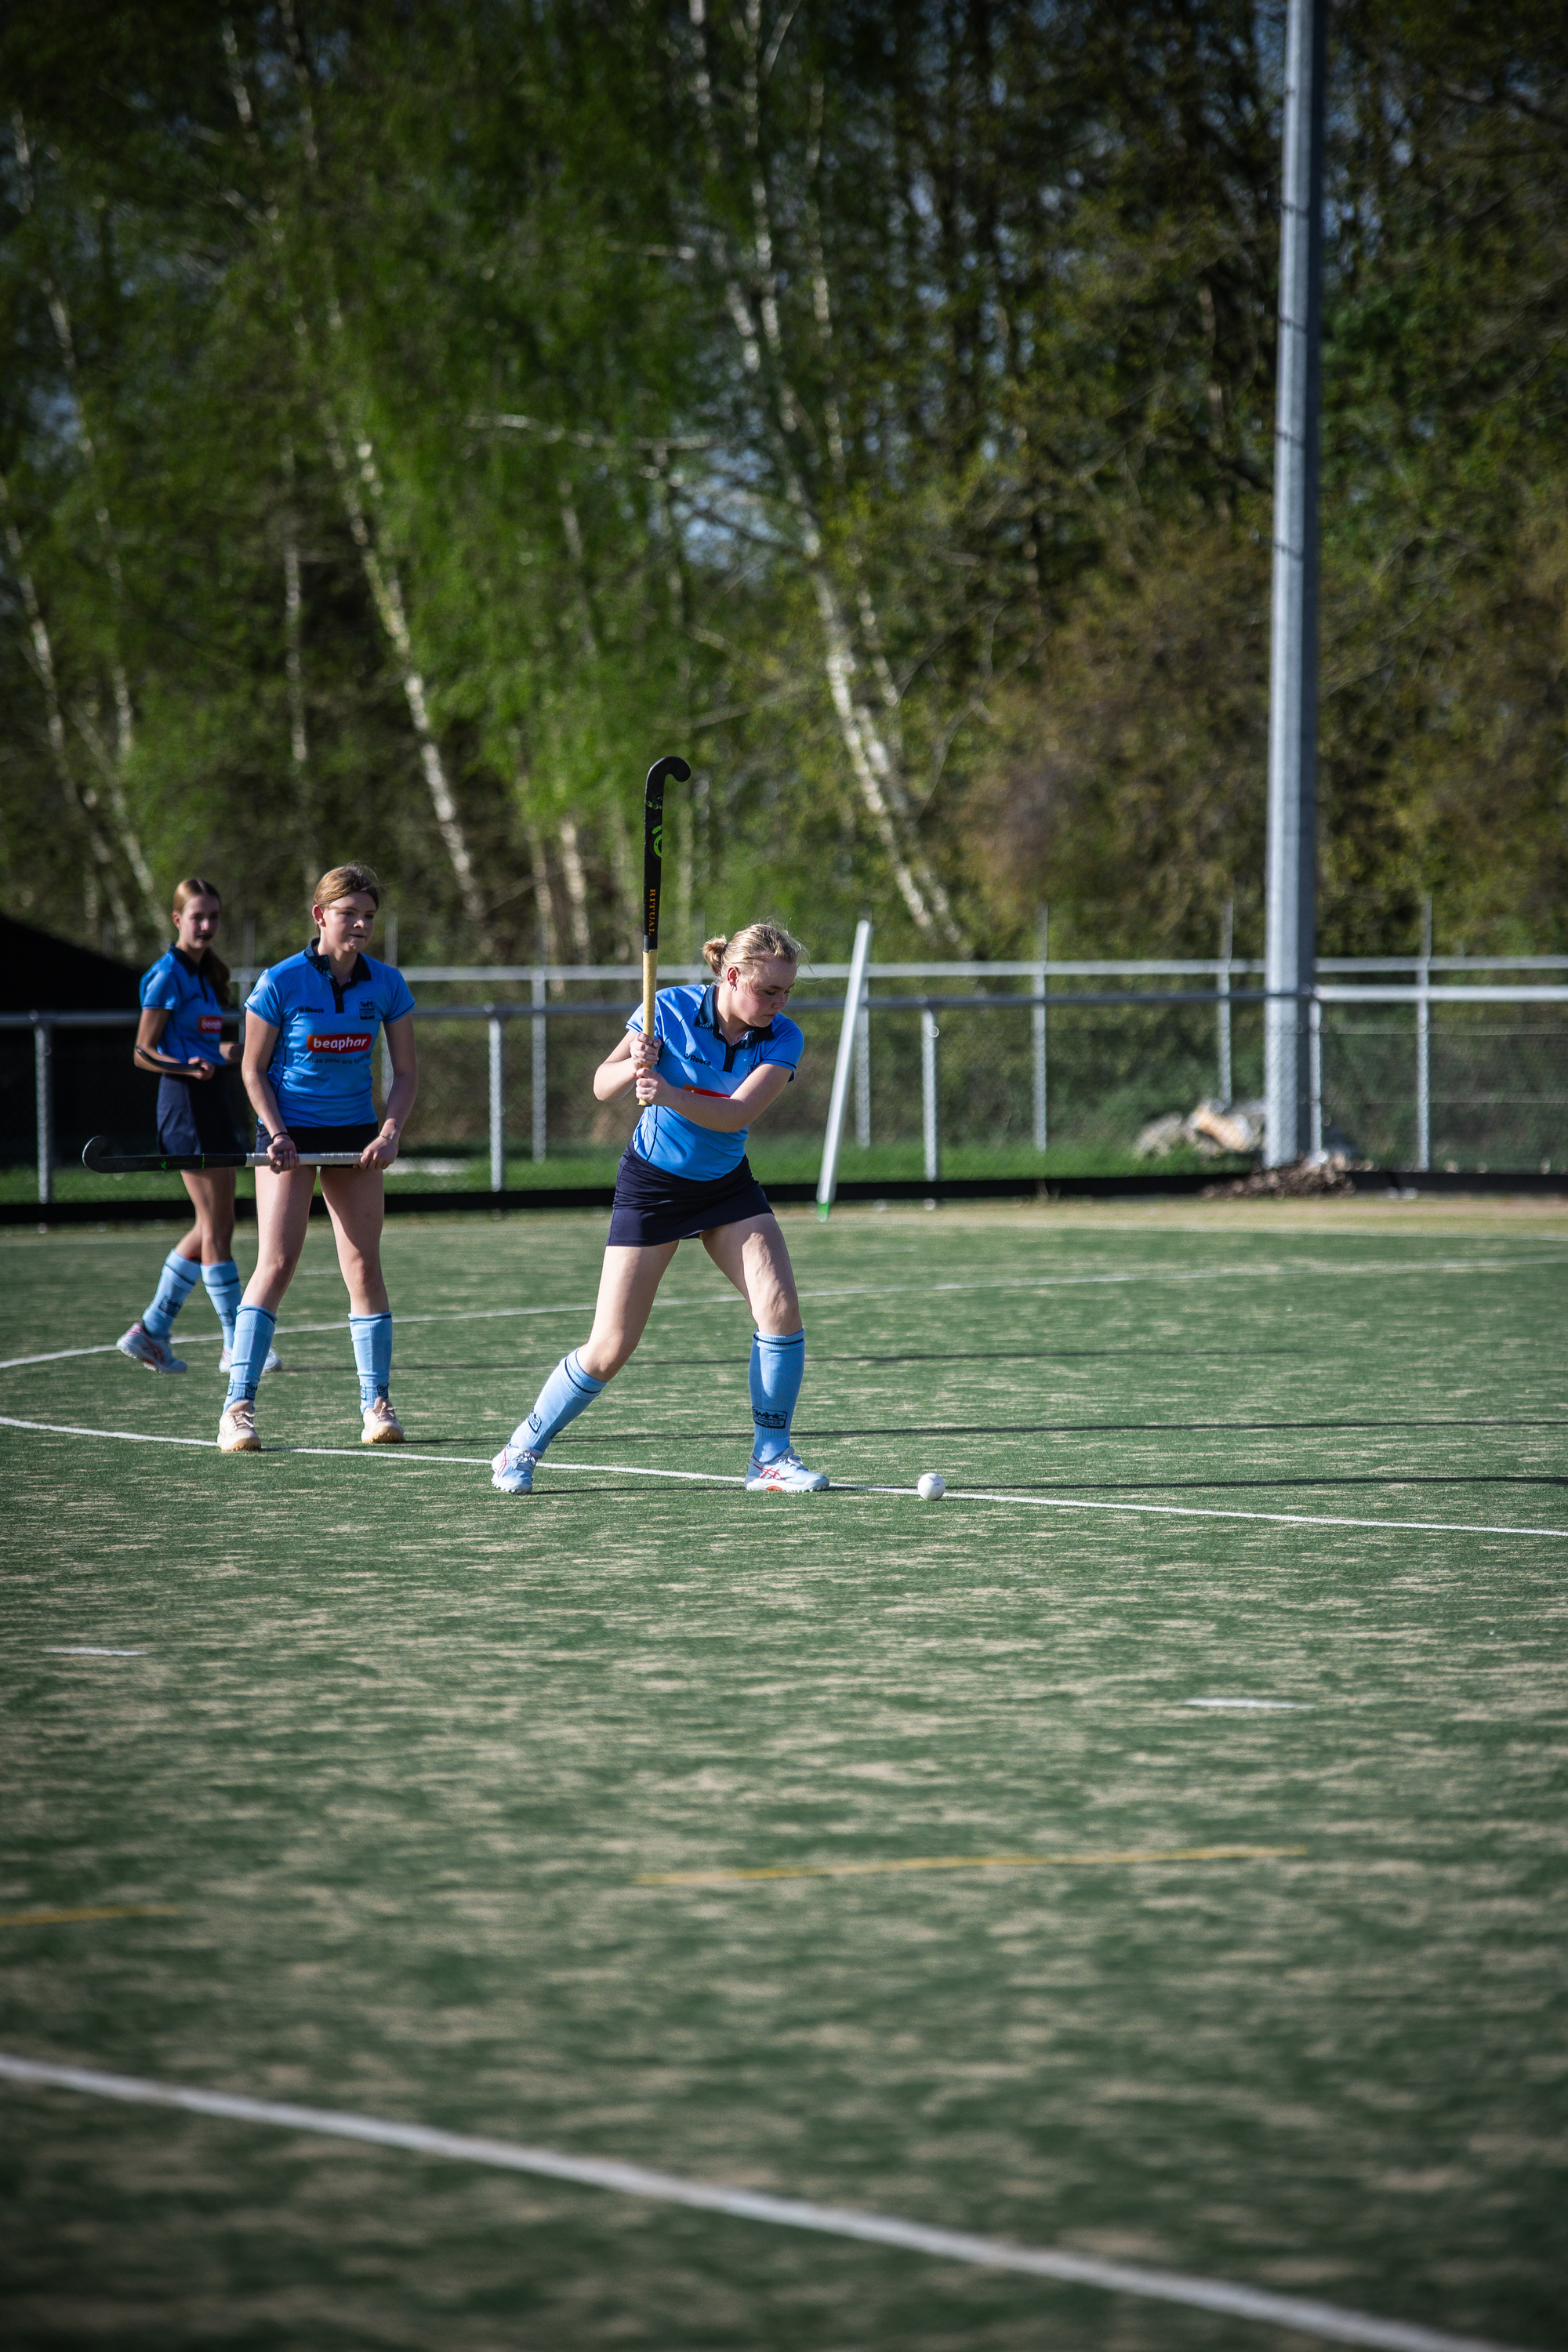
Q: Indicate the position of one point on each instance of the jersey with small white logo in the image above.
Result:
(179, 987)
(696, 1060)
(320, 1067)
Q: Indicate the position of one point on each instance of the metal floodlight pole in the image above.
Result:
(1292, 944)
(853, 995)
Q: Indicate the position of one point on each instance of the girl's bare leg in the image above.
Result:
(752, 1256)
(628, 1284)
(356, 1203)
(282, 1217)
(211, 1238)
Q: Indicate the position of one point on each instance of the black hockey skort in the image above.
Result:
(196, 1115)
(652, 1205)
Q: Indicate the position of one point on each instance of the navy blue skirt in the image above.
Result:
(652, 1205)
(196, 1115)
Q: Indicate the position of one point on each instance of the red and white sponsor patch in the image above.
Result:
(210, 1025)
(342, 1041)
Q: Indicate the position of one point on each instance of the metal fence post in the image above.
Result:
(498, 1119)
(1037, 1033)
(1227, 942)
(44, 1087)
(541, 1076)
(863, 1074)
(931, 1133)
(1424, 1043)
(1315, 1076)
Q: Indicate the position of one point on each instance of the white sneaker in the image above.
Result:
(512, 1470)
(786, 1474)
(274, 1360)
(382, 1426)
(143, 1347)
(236, 1429)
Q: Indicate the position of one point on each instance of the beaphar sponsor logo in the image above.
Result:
(342, 1041)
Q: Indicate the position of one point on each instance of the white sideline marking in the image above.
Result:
(1270, 1705)
(1207, 1511)
(1328, 2321)
(87, 1650)
(888, 1290)
(57, 1355)
(847, 1486)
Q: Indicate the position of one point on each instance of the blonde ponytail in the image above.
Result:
(752, 945)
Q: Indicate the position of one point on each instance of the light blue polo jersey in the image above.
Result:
(321, 1068)
(174, 985)
(696, 1057)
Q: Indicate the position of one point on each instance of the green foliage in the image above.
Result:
(875, 403)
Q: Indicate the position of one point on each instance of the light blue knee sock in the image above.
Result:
(372, 1354)
(778, 1366)
(224, 1286)
(568, 1391)
(176, 1285)
(253, 1329)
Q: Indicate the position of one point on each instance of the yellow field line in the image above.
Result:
(968, 1862)
(88, 1911)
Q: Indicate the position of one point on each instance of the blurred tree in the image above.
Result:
(414, 420)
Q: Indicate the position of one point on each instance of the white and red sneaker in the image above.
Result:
(786, 1474)
(155, 1354)
(274, 1360)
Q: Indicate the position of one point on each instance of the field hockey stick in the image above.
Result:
(652, 874)
(99, 1159)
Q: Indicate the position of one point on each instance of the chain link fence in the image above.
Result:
(1027, 1069)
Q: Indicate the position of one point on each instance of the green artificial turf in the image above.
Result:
(397, 1749)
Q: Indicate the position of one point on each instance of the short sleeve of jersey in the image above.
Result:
(784, 1047)
(266, 1000)
(399, 994)
(159, 987)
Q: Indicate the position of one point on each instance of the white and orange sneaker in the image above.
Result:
(236, 1430)
(382, 1426)
(786, 1474)
(144, 1347)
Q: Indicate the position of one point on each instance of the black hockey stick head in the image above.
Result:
(653, 841)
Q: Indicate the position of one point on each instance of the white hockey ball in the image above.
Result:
(932, 1484)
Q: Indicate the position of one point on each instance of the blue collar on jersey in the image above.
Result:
(707, 1017)
(359, 974)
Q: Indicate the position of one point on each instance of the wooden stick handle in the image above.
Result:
(649, 988)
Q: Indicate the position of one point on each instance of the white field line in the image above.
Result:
(1263, 1706)
(880, 1290)
(1329, 2322)
(848, 1486)
(85, 1649)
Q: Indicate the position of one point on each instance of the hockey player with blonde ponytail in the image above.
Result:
(720, 1056)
